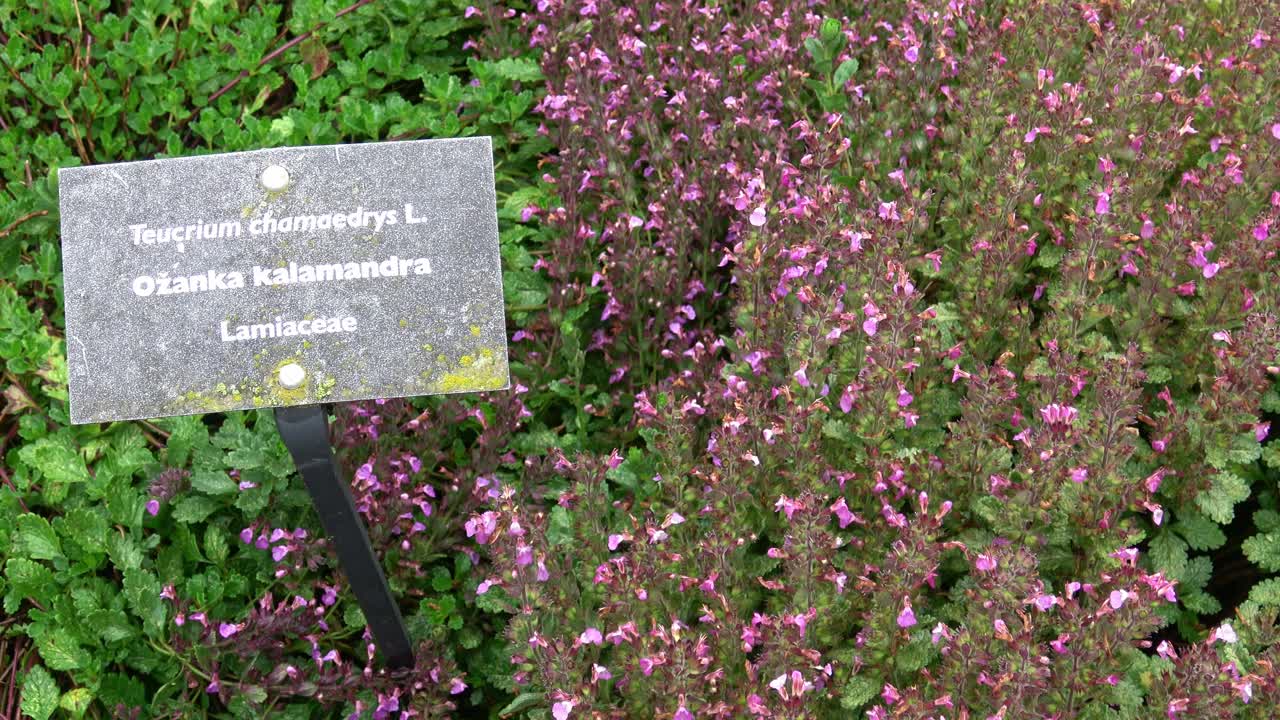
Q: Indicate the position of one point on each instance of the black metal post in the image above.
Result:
(305, 431)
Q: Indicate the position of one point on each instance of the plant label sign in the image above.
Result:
(287, 276)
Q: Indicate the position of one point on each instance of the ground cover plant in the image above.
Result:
(889, 360)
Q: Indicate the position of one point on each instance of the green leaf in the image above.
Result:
(1219, 501)
(213, 482)
(353, 617)
(39, 694)
(60, 651)
(37, 539)
(1263, 550)
(1266, 520)
(142, 590)
(522, 702)
(56, 458)
(1200, 532)
(1243, 448)
(76, 702)
(124, 551)
(845, 72)
(560, 526)
(520, 69)
(916, 654)
(1169, 553)
(215, 544)
(1266, 592)
(193, 509)
(27, 578)
(86, 528)
(440, 580)
(858, 691)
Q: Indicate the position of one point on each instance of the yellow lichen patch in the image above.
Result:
(486, 373)
(475, 330)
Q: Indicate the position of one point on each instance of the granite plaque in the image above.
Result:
(287, 276)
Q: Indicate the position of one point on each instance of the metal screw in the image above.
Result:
(292, 376)
(275, 178)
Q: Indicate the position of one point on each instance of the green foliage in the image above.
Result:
(39, 694)
(82, 561)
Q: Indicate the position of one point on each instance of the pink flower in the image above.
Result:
(906, 618)
(904, 397)
(912, 53)
(561, 710)
(985, 563)
(1261, 430)
(1044, 603)
(153, 507)
(801, 377)
(846, 399)
(1079, 475)
(842, 512)
(591, 636)
(524, 555)
(682, 714)
(1103, 204)
(1225, 633)
(787, 506)
(758, 217)
(226, 630)
(1117, 599)
(456, 686)
(1275, 130)
(1058, 417)
(793, 689)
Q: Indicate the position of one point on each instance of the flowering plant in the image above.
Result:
(912, 360)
